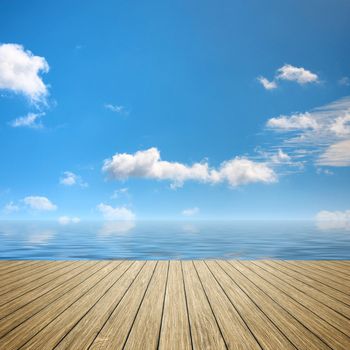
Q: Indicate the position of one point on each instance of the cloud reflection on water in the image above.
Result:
(110, 228)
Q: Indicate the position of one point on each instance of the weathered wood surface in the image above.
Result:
(169, 305)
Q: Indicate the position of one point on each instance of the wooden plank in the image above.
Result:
(313, 297)
(144, 334)
(8, 267)
(236, 333)
(38, 273)
(204, 328)
(19, 298)
(18, 336)
(328, 270)
(322, 311)
(27, 271)
(175, 305)
(265, 331)
(82, 334)
(329, 334)
(114, 333)
(331, 265)
(299, 335)
(333, 293)
(50, 336)
(345, 263)
(81, 282)
(314, 274)
(175, 330)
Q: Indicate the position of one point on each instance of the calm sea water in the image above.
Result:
(174, 240)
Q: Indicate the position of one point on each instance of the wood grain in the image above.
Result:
(175, 305)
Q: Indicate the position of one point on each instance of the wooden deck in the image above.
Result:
(175, 305)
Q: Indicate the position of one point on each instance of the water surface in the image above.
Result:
(174, 240)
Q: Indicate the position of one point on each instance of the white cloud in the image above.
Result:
(115, 213)
(288, 72)
(116, 108)
(327, 220)
(268, 85)
(65, 220)
(241, 171)
(299, 121)
(31, 120)
(148, 164)
(298, 74)
(345, 81)
(322, 133)
(10, 208)
(20, 72)
(39, 203)
(190, 211)
(341, 125)
(71, 179)
(280, 157)
(337, 154)
(119, 192)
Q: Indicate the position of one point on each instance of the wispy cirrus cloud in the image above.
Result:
(190, 211)
(149, 165)
(344, 81)
(322, 133)
(119, 109)
(31, 120)
(10, 208)
(120, 192)
(291, 73)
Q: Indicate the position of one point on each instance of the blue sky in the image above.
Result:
(163, 109)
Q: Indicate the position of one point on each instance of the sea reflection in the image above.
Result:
(191, 228)
(116, 228)
(41, 236)
(329, 225)
(174, 240)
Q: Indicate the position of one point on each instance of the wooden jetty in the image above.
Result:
(211, 304)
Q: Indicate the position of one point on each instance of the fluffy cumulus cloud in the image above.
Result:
(190, 211)
(288, 72)
(71, 179)
(115, 213)
(148, 164)
(298, 74)
(39, 203)
(20, 72)
(31, 120)
(322, 133)
(66, 220)
(327, 220)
